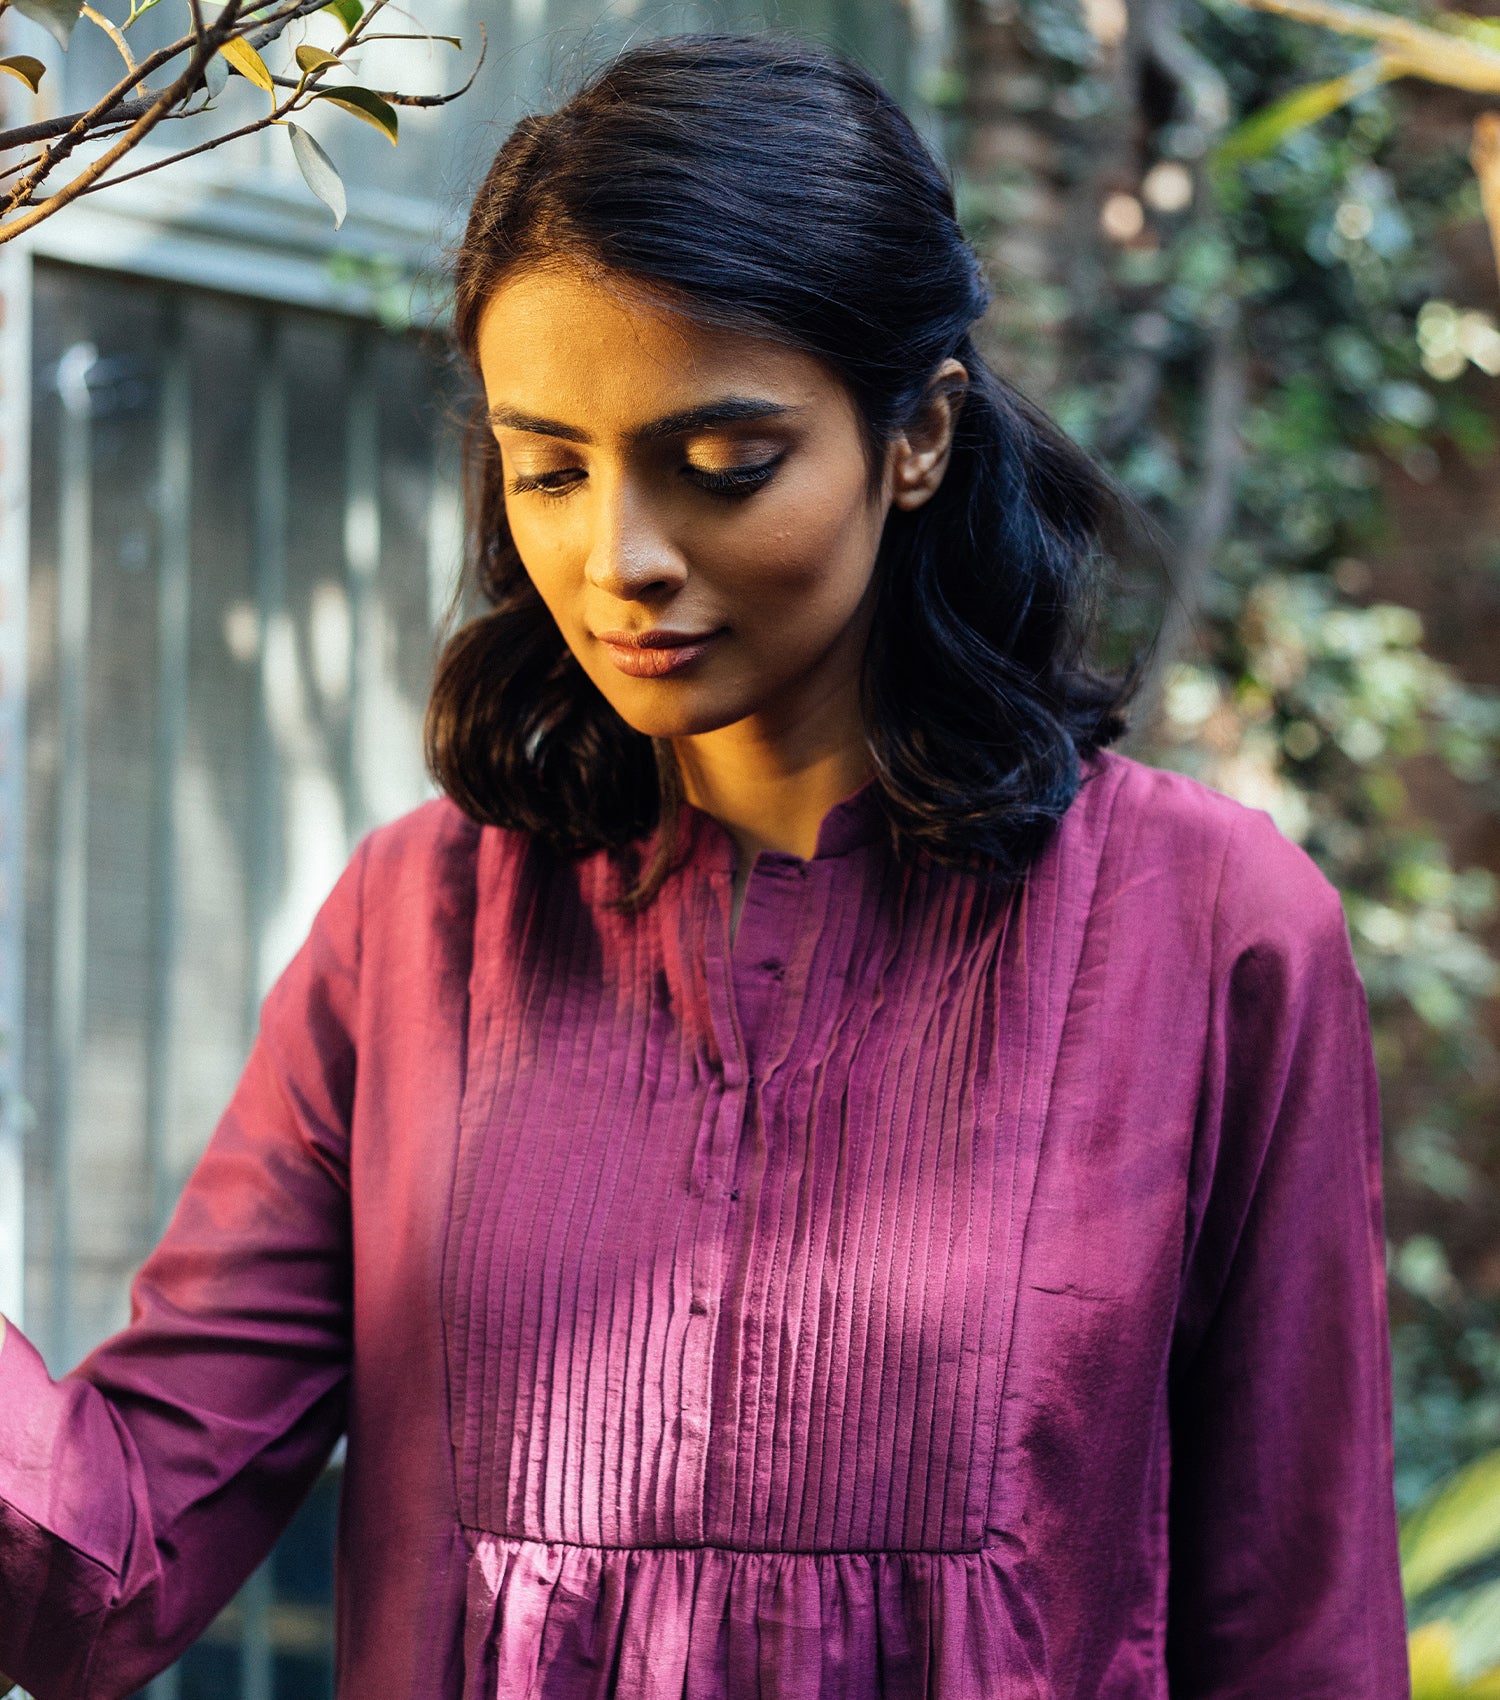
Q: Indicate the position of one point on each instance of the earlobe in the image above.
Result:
(917, 478)
(923, 452)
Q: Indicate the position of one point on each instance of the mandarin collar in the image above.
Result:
(854, 820)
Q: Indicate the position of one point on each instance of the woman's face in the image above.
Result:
(663, 478)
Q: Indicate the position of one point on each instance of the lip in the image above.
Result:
(654, 654)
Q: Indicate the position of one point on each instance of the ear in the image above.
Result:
(919, 456)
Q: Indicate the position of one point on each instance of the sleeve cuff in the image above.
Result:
(59, 1455)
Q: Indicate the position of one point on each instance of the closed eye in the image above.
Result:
(734, 480)
(547, 483)
(728, 481)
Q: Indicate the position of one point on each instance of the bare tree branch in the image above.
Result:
(1420, 50)
(113, 32)
(127, 113)
(393, 97)
(1224, 396)
(261, 35)
(1142, 378)
(1484, 156)
(55, 153)
(276, 115)
(96, 168)
(106, 103)
(279, 114)
(49, 127)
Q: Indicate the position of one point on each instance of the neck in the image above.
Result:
(769, 796)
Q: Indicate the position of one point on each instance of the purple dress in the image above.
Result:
(924, 1294)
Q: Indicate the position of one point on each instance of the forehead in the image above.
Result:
(597, 351)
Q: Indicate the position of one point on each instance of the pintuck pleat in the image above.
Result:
(731, 1273)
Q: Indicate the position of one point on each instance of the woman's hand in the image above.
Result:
(6, 1684)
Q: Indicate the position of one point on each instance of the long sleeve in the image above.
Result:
(1284, 1574)
(138, 1492)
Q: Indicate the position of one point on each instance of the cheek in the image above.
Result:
(813, 545)
(543, 544)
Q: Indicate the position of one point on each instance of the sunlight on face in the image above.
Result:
(660, 476)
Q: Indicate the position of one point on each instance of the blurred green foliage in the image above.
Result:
(1300, 693)
(1450, 1569)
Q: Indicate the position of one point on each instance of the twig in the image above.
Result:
(274, 116)
(1195, 74)
(1142, 376)
(49, 127)
(1224, 392)
(113, 32)
(428, 36)
(131, 120)
(262, 34)
(1420, 50)
(1484, 156)
(463, 88)
(396, 99)
(96, 168)
(79, 129)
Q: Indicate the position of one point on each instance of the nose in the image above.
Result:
(631, 553)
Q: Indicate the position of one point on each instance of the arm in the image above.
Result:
(1284, 1574)
(137, 1493)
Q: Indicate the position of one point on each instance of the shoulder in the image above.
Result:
(420, 843)
(1196, 846)
(407, 874)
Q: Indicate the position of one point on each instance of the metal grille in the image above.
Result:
(242, 527)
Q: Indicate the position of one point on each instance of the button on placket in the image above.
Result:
(769, 920)
(713, 1169)
(745, 977)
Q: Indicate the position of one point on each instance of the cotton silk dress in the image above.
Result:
(927, 1293)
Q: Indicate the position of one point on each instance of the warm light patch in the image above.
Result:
(1122, 218)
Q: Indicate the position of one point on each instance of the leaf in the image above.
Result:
(1486, 31)
(1430, 1650)
(243, 58)
(1454, 1527)
(29, 70)
(312, 58)
(348, 12)
(363, 103)
(319, 173)
(1264, 130)
(58, 16)
(1475, 1616)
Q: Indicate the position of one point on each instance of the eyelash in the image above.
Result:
(732, 481)
(735, 480)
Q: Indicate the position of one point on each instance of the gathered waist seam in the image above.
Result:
(473, 1533)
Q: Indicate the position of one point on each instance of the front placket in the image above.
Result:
(744, 983)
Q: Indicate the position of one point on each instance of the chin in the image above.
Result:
(674, 725)
(666, 718)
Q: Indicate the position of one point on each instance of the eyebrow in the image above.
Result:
(729, 410)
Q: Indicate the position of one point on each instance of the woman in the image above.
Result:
(803, 1174)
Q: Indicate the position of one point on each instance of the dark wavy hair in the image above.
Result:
(767, 185)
